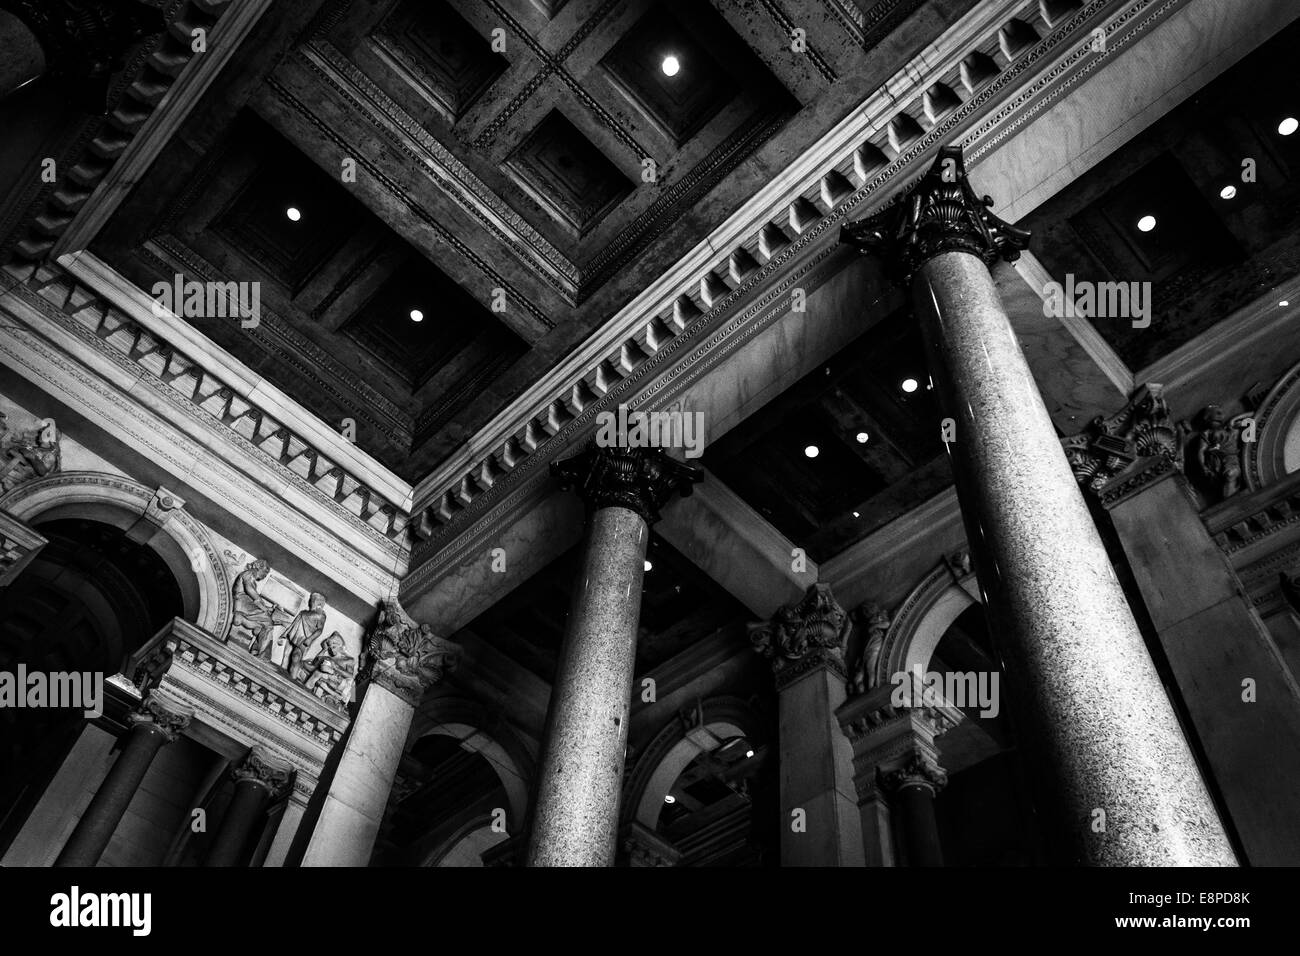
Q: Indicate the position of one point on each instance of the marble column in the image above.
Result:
(575, 822)
(160, 720)
(1117, 772)
(820, 821)
(21, 57)
(408, 659)
(79, 44)
(912, 789)
(260, 779)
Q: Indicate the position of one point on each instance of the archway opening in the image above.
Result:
(450, 806)
(708, 814)
(985, 814)
(88, 599)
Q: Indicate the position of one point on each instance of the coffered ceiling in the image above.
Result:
(510, 171)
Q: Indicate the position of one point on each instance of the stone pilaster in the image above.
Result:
(805, 644)
(160, 720)
(576, 818)
(1233, 682)
(1117, 773)
(404, 659)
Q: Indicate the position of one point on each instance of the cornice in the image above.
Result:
(667, 309)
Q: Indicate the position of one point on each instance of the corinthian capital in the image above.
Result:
(165, 713)
(919, 770)
(1143, 428)
(406, 657)
(802, 636)
(639, 479)
(265, 769)
(941, 213)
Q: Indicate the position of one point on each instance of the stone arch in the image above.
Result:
(671, 751)
(923, 618)
(470, 723)
(182, 542)
(1276, 449)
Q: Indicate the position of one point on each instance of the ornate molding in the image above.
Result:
(676, 307)
(150, 77)
(232, 689)
(102, 489)
(803, 637)
(187, 382)
(638, 479)
(941, 213)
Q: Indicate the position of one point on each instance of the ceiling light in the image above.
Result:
(294, 213)
(862, 438)
(1227, 192)
(749, 753)
(671, 65)
(1288, 126)
(649, 565)
(857, 514)
(812, 451)
(669, 798)
(1147, 223)
(910, 385)
(1284, 303)
(417, 315)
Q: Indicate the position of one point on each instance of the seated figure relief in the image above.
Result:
(265, 630)
(29, 454)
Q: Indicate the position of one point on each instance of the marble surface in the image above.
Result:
(576, 818)
(1122, 779)
(349, 820)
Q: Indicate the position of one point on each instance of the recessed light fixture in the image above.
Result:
(1284, 303)
(749, 753)
(671, 65)
(910, 385)
(294, 213)
(857, 514)
(1228, 191)
(417, 315)
(1288, 126)
(669, 798)
(1147, 223)
(862, 438)
(649, 565)
(812, 451)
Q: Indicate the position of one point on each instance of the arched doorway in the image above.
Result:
(705, 787)
(88, 598)
(985, 814)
